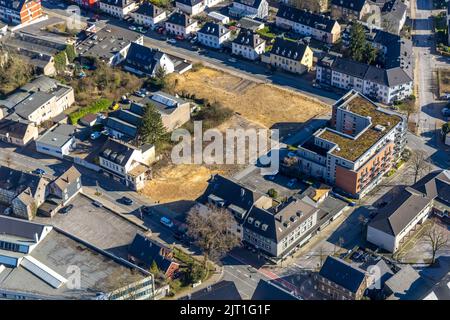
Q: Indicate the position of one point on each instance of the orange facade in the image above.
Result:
(353, 182)
(30, 11)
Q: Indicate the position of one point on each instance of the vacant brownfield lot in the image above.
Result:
(444, 81)
(261, 103)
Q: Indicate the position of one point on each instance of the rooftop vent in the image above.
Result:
(257, 223)
(264, 227)
(379, 128)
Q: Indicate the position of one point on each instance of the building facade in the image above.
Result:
(117, 8)
(20, 12)
(180, 24)
(213, 35)
(248, 45)
(148, 14)
(349, 10)
(290, 56)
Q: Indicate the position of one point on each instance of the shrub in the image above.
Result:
(272, 193)
(97, 106)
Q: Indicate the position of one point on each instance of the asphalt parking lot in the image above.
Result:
(97, 226)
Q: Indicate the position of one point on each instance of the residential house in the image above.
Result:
(144, 251)
(339, 280)
(250, 24)
(88, 120)
(238, 199)
(291, 56)
(22, 192)
(35, 258)
(60, 192)
(174, 111)
(409, 208)
(218, 17)
(148, 14)
(20, 12)
(117, 8)
(191, 7)
(393, 16)
(40, 100)
(248, 45)
(181, 24)
(57, 142)
(406, 284)
(17, 132)
(213, 35)
(143, 60)
(126, 163)
(109, 44)
(249, 8)
(318, 26)
(313, 6)
(360, 146)
(123, 123)
(349, 10)
(277, 231)
(382, 84)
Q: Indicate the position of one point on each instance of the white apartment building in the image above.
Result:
(148, 15)
(213, 35)
(191, 7)
(181, 24)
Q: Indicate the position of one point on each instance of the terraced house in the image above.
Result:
(20, 12)
(291, 56)
(318, 26)
(349, 9)
(213, 35)
(248, 45)
(148, 14)
(362, 143)
(117, 8)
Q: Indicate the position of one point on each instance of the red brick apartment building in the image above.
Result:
(361, 144)
(20, 11)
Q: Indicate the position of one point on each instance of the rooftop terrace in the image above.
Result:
(352, 149)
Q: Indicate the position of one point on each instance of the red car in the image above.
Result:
(179, 37)
(160, 30)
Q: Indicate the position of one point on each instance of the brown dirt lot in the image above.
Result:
(261, 103)
(444, 81)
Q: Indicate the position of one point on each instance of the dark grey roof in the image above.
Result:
(307, 18)
(142, 58)
(149, 10)
(116, 151)
(342, 273)
(288, 49)
(15, 5)
(190, 3)
(276, 223)
(397, 76)
(435, 185)
(20, 228)
(33, 102)
(268, 291)
(441, 290)
(393, 218)
(15, 129)
(59, 136)
(230, 192)
(180, 19)
(395, 9)
(347, 66)
(223, 290)
(147, 251)
(17, 181)
(355, 5)
(248, 38)
(250, 3)
(118, 3)
(214, 29)
(165, 103)
(126, 121)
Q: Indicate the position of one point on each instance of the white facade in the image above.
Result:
(122, 54)
(117, 11)
(213, 41)
(248, 52)
(55, 151)
(147, 20)
(181, 30)
(260, 12)
(191, 10)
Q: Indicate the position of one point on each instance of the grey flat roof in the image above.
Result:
(57, 137)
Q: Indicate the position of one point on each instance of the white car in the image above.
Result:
(95, 135)
(133, 28)
(232, 60)
(172, 41)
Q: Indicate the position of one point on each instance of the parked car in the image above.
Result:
(114, 106)
(133, 28)
(446, 112)
(95, 135)
(171, 41)
(66, 209)
(167, 222)
(232, 60)
(292, 182)
(97, 204)
(146, 210)
(39, 171)
(179, 37)
(140, 94)
(271, 177)
(126, 200)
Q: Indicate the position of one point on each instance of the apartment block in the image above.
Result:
(362, 143)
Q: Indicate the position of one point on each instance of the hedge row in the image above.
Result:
(97, 106)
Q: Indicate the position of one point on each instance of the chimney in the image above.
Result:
(36, 238)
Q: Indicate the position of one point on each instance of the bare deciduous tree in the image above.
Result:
(211, 228)
(419, 163)
(437, 238)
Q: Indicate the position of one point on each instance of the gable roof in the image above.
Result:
(116, 151)
(15, 129)
(342, 273)
(214, 29)
(288, 49)
(180, 19)
(17, 181)
(150, 10)
(21, 228)
(223, 290)
(142, 58)
(436, 185)
(70, 176)
(355, 5)
(307, 18)
(395, 216)
(248, 38)
(250, 3)
(147, 251)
